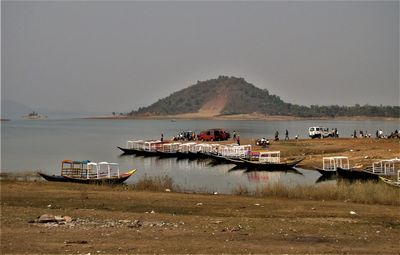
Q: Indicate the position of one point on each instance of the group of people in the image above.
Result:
(394, 134)
(286, 135)
(378, 134)
(263, 142)
(365, 134)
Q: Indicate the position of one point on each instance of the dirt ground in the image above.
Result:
(120, 220)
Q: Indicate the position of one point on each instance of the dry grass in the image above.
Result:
(155, 183)
(358, 192)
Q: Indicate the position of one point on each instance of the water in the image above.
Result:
(41, 145)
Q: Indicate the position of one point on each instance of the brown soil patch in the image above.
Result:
(216, 104)
(119, 220)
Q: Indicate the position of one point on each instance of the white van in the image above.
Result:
(319, 132)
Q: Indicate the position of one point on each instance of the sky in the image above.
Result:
(105, 56)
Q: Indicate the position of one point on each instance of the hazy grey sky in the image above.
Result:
(104, 56)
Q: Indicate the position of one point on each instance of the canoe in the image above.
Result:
(113, 180)
(390, 182)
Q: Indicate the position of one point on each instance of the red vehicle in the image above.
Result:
(213, 135)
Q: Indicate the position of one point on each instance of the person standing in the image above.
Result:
(286, 135)
(162, 137)
(276, 135)
(238, 139)
(234, 135)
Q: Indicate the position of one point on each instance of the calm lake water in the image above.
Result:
(28, 145)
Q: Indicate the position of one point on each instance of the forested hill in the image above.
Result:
(231, 95)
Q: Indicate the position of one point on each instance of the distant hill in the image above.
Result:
(230, 95)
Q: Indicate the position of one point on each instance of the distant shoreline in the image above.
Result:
(195, 116)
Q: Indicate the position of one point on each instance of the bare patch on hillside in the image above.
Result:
(216, 104)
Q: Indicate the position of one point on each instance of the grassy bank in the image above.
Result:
(357, 192)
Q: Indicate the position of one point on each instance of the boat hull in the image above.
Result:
(128, 151)
(264, 166)
(162, 154)
(390, 182)
(106, 180)
(136, 152)
(327, 173)
(353, 174)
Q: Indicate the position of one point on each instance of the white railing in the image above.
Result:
(202, 147)
(185, 147)
(102, 169)
(270, 157)
(152, 145)
(170, 147)
(137, 145)
(386, 167)
(236, 151)
(332, 163)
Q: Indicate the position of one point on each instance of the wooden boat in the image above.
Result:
(89, 173)
(142, 148)
(229, 154)
(357, 174)
(187, 151)
(270, 165)
(330, 165)
(133, 147)
(382, 168)
(128, 151)
(168, 150)
(264, 160)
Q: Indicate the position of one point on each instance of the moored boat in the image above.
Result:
(227, 154)
(382, 168)
(89, 172)
(264, 160)
(356, 174)
(168, 150)
(132, 147)
(331, 164)
(142, 148)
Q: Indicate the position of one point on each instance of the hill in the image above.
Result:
(230, 95)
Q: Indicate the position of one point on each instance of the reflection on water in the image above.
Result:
(207, 176)
(326, 178)
(263, 177)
